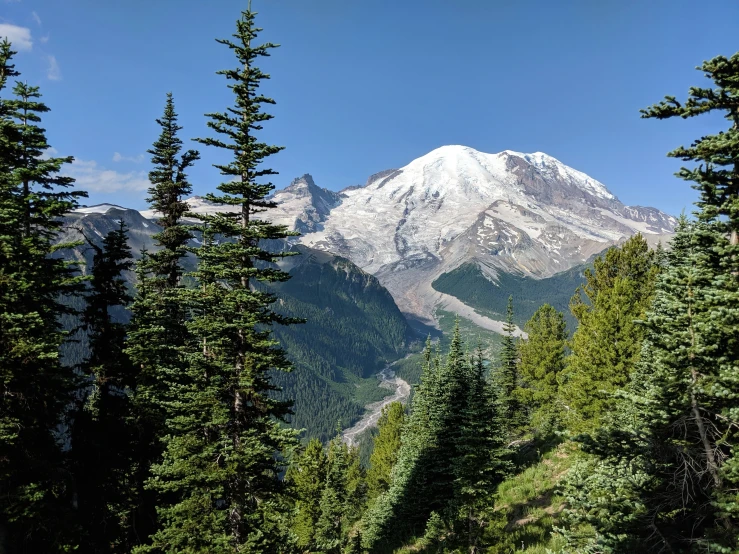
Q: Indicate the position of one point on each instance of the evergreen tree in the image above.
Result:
(607, 343)
(223, 456)
(542, 362)
(341, 499)
(158, 340)
(482, 458)
(452, 455)
(386, 448)
(36, 388)
(509, 373)
(307, 478)
(102, 435)
(658, 471)
(716, 176)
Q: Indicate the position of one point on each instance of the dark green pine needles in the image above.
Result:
(103, 435)
(35, 489)
(223, 452)
(451, 457)
(158, 340)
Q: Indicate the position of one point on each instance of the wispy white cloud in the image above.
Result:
(93, 178)
(52, 69)
(118, 157)
(36, 18)
(44, 39)
(20, 37)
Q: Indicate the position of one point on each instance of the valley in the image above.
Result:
(456, 231)
(401, 392)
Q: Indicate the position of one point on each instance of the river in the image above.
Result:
(388, 380)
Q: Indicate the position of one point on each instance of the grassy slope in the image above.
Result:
(531, 504)
(528, 507)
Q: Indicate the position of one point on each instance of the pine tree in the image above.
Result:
(307, 478)
(224, 454)
(386, 448)
(102, 434)
(542, 362)
(35, 487)
(341, 498)
(158, 340)
(482, 455)
(402, 509)
(716, 176)
(607, 342)
(656, 477)
(509, 373)
(451, 457)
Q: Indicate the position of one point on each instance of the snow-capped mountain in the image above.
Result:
(518, 213)
(512, 212)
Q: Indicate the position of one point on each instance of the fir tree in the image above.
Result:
(223, 455)
(158, 340)
(386, 448)
(452, 455)
(542, 362)
(482, 455)
(102, 436)
(307, 478)
(509, 373)
(657, 475)
(36, 388)
(607, 343)
(340, 499)
(716, 176)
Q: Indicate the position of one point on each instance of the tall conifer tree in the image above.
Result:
(386, 448)
(607, 343)
(103, 435)
(452, 454)
(36, 388)
(542, 362)
(158, 340)
(223, 456)
(509, 378)
(307, 477)
(658, 475)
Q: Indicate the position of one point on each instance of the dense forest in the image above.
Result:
(170, 433)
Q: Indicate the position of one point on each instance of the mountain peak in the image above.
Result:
(306, 179)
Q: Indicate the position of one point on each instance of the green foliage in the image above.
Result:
(342, 498)
(508, 377)
(663, 473)
(607, 343)
(451, 455)
(224, 452)
(307, 478)
(158, 339)
(103, 436)
(471, 286)
(529, 504)
(386, 448)
(35, 488)
(542, 362)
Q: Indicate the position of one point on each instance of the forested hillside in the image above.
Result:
(206, 334)
(352, 326)
(471, 286)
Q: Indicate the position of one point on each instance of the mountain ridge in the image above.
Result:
(509, 212)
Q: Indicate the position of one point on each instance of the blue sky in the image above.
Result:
(364, 86)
